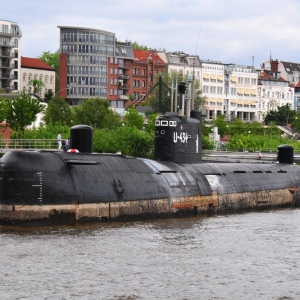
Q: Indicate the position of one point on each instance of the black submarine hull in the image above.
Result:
(59, 187)
(41, 186)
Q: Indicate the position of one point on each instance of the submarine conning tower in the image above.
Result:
(178, 138)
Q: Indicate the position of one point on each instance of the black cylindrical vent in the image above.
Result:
(82, 138)
(285, 154)
(195, 114)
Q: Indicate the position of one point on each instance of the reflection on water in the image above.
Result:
(239, 256)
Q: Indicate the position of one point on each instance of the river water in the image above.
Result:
(238, 256)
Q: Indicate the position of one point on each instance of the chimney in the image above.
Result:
(274, 65)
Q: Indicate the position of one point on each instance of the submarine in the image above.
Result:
(45, 187)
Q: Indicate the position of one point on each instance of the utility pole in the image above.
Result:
(189, 100)
(181, 89)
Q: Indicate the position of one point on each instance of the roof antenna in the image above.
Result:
(198, 39)
(252, 61)
(193, 73)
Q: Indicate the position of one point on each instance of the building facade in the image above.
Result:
(273, 92)
(146, 67)
(290, 72)
(10, 49)
(35, 68)
(119, 76)
(84, 63)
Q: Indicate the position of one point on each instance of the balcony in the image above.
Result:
(124, 66)
(123, 97)
(6, 44)
(5, 86)
(123, 76)
(6, 54)
(6, 66)
(10, 32)
(124, 87)
(7, 77)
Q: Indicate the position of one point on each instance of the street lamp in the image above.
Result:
(60, 91)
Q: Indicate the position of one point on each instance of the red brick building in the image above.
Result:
(119, 76)
(146, 66)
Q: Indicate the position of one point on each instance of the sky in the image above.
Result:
(243, 32)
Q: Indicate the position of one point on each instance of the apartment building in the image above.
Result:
(213, 87)
(290, 72)
(84, 63)
(241, 84)
(10, 45)
(120, 75)
(273, 91)
(146, 66)
(35, 68)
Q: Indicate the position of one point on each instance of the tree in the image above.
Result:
(37, 85)
(221, 124)
(133, 119)
(52, 59)
(3, 108)
(58, 112)
(136, 46)
(22, 111)
(281, 116)
(48, 95)
(96, 113)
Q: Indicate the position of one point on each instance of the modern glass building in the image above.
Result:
(84, 56)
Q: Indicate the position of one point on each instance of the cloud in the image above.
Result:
(229, 31)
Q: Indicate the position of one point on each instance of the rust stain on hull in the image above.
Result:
(114, 210)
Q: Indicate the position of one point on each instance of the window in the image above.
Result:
(29, 76)
(24, 76)
(4, 28)
(143, 72)
(46, 79)
(51, 80)
(143, 83)
(35, 76)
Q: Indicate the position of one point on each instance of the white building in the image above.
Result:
(273, 91)
(213, 87)
(10, 62)
(35, 68)
(231, 90)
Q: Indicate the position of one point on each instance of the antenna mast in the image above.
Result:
(193, 82)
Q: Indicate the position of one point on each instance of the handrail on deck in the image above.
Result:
(11, 144)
